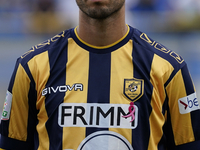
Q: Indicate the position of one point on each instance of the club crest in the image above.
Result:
(133, 88)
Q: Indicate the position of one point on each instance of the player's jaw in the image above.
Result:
(100, 9)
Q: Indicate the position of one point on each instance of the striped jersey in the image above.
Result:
(66, 94)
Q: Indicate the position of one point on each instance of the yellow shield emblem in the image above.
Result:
(133, 88)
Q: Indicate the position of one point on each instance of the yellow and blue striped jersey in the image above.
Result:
(65, 94)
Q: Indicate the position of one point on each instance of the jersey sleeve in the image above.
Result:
(18, 116)
(183, 111)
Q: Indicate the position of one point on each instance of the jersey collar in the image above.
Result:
(101, 49)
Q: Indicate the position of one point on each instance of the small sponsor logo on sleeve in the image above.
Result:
(188, 104)
(7, 106)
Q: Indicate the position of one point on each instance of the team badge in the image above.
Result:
(133, 88)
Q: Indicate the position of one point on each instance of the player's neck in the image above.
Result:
(102, 32)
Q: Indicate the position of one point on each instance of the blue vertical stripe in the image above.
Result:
(190, 90)
(98, 81)
(187, 80)
(58, 60)
(142, 60)
(32, 137)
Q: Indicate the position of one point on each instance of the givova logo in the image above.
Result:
(188, 104)
(62, 88)
(96, 115)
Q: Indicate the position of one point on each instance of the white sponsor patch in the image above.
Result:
(7, 106)
(96, 115)
(188, 104)
(105, 140)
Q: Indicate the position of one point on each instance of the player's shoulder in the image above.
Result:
(57, 43)
(144, 42)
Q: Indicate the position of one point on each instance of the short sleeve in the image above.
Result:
(18, 116)
(184, 111)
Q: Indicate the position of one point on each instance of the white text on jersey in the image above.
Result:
(96, 115)
(62, 88)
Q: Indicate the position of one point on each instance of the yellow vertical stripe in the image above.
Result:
(181, 124)
(18, 127)
(121, 68)
(77, 72)
(160, 72)
(40, 72)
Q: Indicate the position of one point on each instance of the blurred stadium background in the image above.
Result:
(25, 23)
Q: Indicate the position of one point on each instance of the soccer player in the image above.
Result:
(103, 85)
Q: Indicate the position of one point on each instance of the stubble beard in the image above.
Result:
(100, 12)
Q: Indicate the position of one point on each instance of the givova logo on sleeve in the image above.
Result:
(188, 104)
